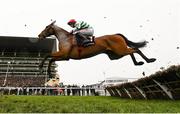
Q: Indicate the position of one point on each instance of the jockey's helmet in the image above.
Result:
(72, 21)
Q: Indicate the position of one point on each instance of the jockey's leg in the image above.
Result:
(83, 40)
(79, 38)
(87, 33)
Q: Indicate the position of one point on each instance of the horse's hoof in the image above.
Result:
(151, 60)
(139, 63)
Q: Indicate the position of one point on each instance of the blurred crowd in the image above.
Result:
(22, 81)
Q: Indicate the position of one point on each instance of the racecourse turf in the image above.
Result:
(81, 104)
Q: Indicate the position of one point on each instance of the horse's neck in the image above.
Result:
(61, 34)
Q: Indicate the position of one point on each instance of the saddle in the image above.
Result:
(84, 41)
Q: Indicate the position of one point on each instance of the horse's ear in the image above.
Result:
(53, 22)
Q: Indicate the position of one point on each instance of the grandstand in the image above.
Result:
(19, 68)
(20, 58)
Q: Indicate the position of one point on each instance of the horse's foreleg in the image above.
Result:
(42, 63)
(49, 68)
(144, 57)
(134, 60)
(50, 63)
(57, 56)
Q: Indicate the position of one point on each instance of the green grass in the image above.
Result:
(35, 104)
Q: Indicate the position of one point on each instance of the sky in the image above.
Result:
(156, 21)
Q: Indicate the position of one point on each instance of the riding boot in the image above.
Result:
(87, 42)
(90, 42)
(79, 39)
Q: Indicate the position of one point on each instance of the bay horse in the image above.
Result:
(115, 46)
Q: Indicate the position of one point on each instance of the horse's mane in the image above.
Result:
(65, 31)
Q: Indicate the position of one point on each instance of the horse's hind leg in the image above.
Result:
(144, 57)
(129, 51)
(134, 60)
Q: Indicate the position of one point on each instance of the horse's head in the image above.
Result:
(47, 31)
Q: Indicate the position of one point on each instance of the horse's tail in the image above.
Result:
(134, 44)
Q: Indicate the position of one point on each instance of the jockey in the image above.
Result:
(83, 32)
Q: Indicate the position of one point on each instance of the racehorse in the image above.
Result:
(115, 46)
